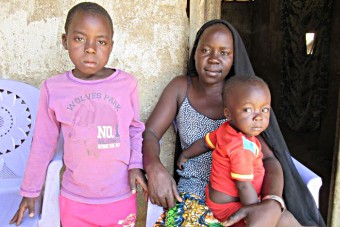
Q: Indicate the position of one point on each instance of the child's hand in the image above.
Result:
(136, 176)
(181, 159)
(26, 203)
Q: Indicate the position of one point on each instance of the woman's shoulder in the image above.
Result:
(178, 85)
(180, 80)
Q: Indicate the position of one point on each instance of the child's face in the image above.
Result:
(248, 108)
(214, 53)
(89, 44)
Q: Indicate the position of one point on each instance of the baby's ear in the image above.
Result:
(64, 40)
(227, 114)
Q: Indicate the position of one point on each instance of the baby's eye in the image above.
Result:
(265, 110)
(248, 110)
(102, 42)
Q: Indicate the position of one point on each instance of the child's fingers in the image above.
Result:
(142, 183)
(30, 206)
(133, 187)
(21, 212)
(145, 193)
(15, 218)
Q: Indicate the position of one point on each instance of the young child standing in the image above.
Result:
(97, 111)
(237, 169)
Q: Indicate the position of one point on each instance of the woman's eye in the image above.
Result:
(205, 50)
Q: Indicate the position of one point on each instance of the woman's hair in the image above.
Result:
(88, 7)
(191, 65)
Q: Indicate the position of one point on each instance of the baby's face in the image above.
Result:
(89, 44)
(249, 109)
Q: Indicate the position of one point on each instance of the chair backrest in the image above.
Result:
(18, 108)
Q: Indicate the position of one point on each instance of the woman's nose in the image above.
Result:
(213, 57)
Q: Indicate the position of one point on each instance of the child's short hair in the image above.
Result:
(89, 7)
(230, 84)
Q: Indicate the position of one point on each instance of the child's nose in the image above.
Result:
(257, 117)
(90, 48)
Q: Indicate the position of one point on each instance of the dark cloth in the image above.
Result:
(298, 199)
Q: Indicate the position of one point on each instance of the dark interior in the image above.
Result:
(304, 98)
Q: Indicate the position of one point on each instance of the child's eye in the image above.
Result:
(102, 42)
(265, 110)
(248, 110)
(79, 39)
(225, 53)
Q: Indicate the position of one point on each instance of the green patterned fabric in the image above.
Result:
(191, 212)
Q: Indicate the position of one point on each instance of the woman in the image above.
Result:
(195, 103)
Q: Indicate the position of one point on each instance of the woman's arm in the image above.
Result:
(268, 212)
(161, 185)
(273, 178)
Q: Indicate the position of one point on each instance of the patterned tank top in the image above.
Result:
(192, 126)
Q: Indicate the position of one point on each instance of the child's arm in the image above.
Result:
(246, 192)
(135, 131)
(45, 139)
(197, 148)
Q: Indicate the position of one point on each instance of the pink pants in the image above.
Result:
(120, 213)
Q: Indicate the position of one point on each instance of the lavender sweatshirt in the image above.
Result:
(99, 120)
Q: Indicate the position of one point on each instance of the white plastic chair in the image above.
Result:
(18, 106)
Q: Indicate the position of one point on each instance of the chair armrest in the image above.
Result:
(50, 215)
(312, 180)
(153, 213)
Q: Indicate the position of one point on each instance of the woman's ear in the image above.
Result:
(227, 114)
(64, 40)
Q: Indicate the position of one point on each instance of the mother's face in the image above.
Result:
(214, 54)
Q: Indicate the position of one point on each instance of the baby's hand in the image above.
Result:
(136, 176)
(181, 159)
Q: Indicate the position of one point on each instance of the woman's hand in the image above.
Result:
(162, 187)
(26, 203)
(266, 213)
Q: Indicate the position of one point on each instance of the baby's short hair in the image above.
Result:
(231, 83)
(89, 7)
